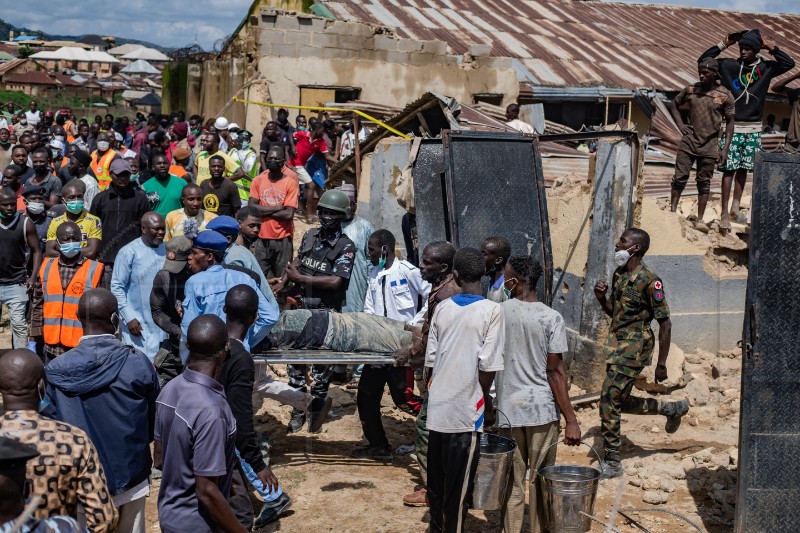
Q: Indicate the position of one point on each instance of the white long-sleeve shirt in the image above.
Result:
(394, 292)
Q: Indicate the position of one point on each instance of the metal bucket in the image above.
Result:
(568, 490)
(493, 471)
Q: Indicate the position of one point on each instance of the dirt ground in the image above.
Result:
(692, 471)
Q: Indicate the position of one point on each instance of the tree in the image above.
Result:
(25, 51)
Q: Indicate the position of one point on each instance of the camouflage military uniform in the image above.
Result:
(636, 299)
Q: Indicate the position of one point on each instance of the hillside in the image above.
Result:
(6, 27)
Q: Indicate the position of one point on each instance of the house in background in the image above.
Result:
(78, 60)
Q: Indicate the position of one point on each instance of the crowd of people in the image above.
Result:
(145, 261)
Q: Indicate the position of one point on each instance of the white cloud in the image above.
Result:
(164, 22)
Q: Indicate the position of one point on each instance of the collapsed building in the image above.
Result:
(569, 64)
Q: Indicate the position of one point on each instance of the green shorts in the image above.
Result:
(742, 152)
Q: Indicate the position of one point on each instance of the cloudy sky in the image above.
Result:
(182, 22)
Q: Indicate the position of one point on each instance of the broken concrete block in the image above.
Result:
(697, 392)
(655, 497)
(409, 45)
(724, 367)
(646, 380)
(480, 50)
(667, 485)
(434, 47)
(383, 42)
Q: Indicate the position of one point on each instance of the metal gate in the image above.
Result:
(493, 185)
(768, 496)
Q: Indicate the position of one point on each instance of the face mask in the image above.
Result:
(55, 153)
(135, 177)
(6, 217)
(102, 145)
(43, 402)
(506, 290)
(273, 164)
(328, 223)
(23, 121)
(301, 128)
(34, 208)
(382, 260)
(245, 145)
(75, 207)
(70, 249)
(622, 257)
(41, 171)
(5, 143)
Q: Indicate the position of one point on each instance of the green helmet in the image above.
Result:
(336, 201)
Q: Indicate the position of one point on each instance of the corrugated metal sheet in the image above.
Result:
(565, 43)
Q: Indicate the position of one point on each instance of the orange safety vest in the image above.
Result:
(60, 310)
(68, 125)
(101, 168)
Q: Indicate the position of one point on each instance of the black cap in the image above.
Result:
(33, 189)
(83, 157)
(14, 454)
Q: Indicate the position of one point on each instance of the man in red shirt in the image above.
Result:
(306, 145)
(273, 194)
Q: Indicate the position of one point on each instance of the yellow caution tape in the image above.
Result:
(339, 109)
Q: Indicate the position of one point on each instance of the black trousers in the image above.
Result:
(370, 391)
(452, 460)
(239, 500)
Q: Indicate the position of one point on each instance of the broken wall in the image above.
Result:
(292, 50)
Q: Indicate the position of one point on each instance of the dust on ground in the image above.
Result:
(692, 471)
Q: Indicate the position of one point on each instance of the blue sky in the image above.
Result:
(179, 22)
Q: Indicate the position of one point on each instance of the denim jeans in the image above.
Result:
(268, 495)
(16, 298)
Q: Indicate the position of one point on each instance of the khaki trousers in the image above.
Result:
(531, 452)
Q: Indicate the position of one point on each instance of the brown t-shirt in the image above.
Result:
(707, 110)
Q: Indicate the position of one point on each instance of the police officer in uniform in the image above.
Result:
(637, 297)
(320, 275)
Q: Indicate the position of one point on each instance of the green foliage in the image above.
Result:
(25, 51)
(18, 97)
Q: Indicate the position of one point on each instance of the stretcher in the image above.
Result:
(322, 357)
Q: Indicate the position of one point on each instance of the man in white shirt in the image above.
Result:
(395, 290)
(465, 349)
(34, 116)
(532, 388)
(512, 115)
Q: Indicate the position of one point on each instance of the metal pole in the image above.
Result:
(357, 130)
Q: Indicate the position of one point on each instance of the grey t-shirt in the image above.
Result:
(197, 432)
(532, 331)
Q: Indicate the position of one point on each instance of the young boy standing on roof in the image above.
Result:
(709, 103)
(465, 349)
(748, 78)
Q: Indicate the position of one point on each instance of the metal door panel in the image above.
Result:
(494, 186)
(768, 496)
(431, 211)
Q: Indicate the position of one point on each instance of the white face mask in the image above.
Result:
(622, 257)
(35, 208)
(103, 145)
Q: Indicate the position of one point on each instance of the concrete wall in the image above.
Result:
(291, 50)
(377, 200)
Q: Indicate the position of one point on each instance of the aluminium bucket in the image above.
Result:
(493, 471)
(567, 491)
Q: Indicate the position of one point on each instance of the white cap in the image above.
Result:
(221, 123)
(233, 126)
(118, 136)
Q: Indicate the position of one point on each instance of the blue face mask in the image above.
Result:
(70, 249)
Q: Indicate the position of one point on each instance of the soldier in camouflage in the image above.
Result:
(637, 297)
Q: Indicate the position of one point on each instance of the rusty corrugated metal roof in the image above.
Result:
(565, 43)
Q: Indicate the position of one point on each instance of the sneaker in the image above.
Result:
(318, 412)
(379, 453)
(272, 511)
(611, 469)
(296, 423)
(418, 498)
(674, 411)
